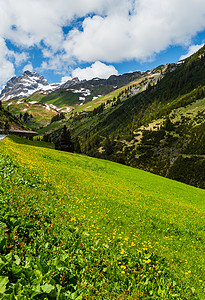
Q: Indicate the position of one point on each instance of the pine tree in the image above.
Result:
(6, 126)
(108, 146)
(77, 147)
(65, 143)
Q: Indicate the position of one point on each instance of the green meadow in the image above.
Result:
(76, 227)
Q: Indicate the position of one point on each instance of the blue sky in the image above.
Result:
(60, 39)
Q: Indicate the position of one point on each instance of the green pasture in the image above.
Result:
(132, 212)
(61, 98)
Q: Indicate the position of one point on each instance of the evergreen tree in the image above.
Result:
(25, 117)
(77, 147)
(168, 125)
(65, 136)
(6, 126)
(65, 143)
(108, 146)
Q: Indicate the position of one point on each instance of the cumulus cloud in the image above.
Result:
(28, 67)
(150, 27)
(28, 22)
(99, 30)
(65, 79)
(98, 69)
(192, 49)
(7, 69)
(8, 60)
(17, 57)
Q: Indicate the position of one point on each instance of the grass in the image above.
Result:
(37, 96)
(61, 98)
(132, 234)
(41, 115)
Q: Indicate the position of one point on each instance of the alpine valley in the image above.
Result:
(150, 120)
(78, 227)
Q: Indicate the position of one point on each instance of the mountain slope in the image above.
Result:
(104, 86)
(9, 121)
(142, 130)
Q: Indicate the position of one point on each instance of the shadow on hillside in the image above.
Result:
(24, 141)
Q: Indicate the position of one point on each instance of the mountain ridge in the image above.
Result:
(31, 93)
(29, 82)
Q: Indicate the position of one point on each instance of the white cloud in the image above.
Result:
(6, 67)
(65, 79)
(98, 69)
(28, 67)
(192, 49)
(28, 22)
(152, 26)
(18, 58)
(111, 30)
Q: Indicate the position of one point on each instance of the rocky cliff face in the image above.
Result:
(114, 81)
(25, 85)
(70, 83)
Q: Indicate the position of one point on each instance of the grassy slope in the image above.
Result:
(140, 209)
(190, 110)
(41, 115)
(123, 122)
(61, 98)
(14, 123)
(89, 106)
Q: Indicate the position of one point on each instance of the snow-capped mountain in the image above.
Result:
(25, 85)
(30, 82)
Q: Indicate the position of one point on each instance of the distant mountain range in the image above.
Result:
(31, 93)
(30, 82)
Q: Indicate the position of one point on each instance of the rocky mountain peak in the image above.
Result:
(25, 85)
(72, 82)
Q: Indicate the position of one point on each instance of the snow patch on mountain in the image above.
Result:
(31, 102)
(98, 96)
(83, 91)
(81, 98)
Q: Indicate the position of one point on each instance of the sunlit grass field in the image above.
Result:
(129, 212)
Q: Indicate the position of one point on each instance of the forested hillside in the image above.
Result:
(160, 129)
(9, 121)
